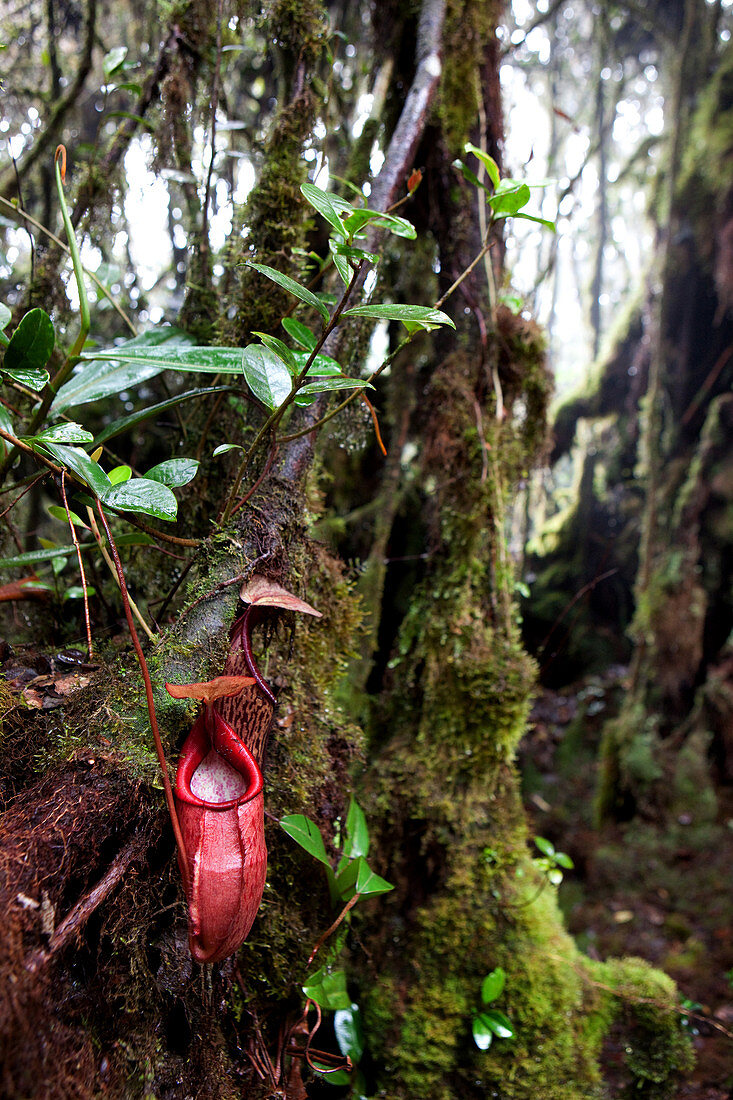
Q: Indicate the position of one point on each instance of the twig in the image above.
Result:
(182, 855)
(111, 566)
(329, 931)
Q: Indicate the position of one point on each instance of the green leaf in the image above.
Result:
(76, 592)
(112, 60)
(144, 414)
(32, 557)
(329, 1075)
(500, 1024)
(118, 474)
(279, 348)
(344, 271)
(564, 860)
(60, 513)
(174, 472)
(482, 1033)
(327, 990)
(5, 315)
(349, 253)
(33, 379)
(470, 176)
(300, 333)
(266, 375)
(327, 205)
(555, 876)
(367, 882)
(493, 985)
(61, 433)
(79, 462)
(30, 345)
(492, 168)
(307, 834)
(509, 197)
(541, 221)
(357, 832)
(6, 423)
(345, 882)
(112, 370)
(224, 448)
(393, 311)
(322, 365)
(323, 385)
(291, 286)
(133, 118)
(545, 846)
(349, 1031)
(359, 218)
(142, 495)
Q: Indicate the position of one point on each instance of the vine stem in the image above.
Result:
(81, 566)
(277, 414)
(170, 802)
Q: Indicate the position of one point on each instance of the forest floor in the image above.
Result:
(658, 890)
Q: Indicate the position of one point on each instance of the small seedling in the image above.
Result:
(490, 1022)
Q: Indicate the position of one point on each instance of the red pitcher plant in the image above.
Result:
(219, 795)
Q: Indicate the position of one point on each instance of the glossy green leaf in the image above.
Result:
(357, 832)
(323, 385)
(279, 348)
(328, 206)
(394, 311)
(139, 417)
(493, 985)
(5, 315)
(174, 472)
(224, 448)
(492, 168)
(307, 834)
(112, 60)
(367, 882)
(344, 271)
(360, 217)
(118, 474)
(509, 197)
(540, 221)
(469, 175)
(33, 379)
(76, 592)
(349, 1031)
(60, 514)
(356, 255)
(482, 1033)
(345, 882)
(266, 375)
(6, 423)
(545, 846)
(327, 989)
(31, 344)
(564, 860)
(500, 1024)
(61, 433)
(79, 462)
(300, 292)
(113, 370)
(143, 495)
(33, 557)
(330, 1075)
(300, 333)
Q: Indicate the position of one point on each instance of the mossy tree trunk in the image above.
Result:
(679, 692)
(103, 996)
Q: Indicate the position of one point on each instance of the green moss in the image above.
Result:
(469, 24)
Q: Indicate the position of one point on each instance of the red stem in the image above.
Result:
(183, 858)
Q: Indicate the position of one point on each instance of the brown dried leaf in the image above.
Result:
(32, 699)
(65, 685)
(210, 690)
(261, 590)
